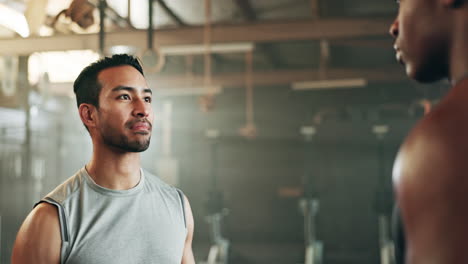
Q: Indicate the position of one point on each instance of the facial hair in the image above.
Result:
(121, 141)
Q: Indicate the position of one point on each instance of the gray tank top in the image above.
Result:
(145, 224)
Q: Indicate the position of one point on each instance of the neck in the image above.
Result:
(459, 50)
(114, 169)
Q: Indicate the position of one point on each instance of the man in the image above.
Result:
(431, 170)
(110, 211)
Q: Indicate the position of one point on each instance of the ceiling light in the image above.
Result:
(201, 49)
(120, 49)
(329, 84)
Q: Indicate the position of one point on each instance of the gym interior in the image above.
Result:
(279, 119)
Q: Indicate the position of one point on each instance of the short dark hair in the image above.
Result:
(87, 86)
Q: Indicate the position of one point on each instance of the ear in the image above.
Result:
(88, 115)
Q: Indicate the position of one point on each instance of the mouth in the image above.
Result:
(399, 58)
(398, 55)
(141, 126)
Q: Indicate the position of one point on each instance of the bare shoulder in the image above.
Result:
(431, 178)
(39, 240)
(436, 149)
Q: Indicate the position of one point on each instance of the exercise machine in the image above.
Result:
(309, 203)
(219, 249)
(383, 204)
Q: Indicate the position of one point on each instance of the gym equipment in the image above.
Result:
(309, 204)
(398, 236)
(313, 247)
(219, 250)
(386, 244)
(383, 202)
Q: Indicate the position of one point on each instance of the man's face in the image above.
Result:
(125, 115)
(421, 33)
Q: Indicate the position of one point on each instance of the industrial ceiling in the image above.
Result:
(286, 34)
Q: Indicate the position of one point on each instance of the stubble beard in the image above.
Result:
(122, 142)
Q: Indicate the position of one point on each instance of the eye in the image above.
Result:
(148, 99)
(124, 97)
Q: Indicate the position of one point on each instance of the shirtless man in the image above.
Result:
(111, 211)
(430, 174)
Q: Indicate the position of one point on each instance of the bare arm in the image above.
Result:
(38, 240)
(430, 177)
(188, 258)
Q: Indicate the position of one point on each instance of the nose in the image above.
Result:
(141, 108)
(394, 28)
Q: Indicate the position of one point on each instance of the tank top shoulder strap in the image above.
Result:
(182, 202)
(64, 230)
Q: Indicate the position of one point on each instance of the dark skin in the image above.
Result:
(431, 172)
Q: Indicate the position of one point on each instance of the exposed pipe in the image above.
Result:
(150, 25)
(129, 12)
(249, 130)
(207, 43)
(102, 16)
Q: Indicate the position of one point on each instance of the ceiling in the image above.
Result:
(286, 32)
(291, 38)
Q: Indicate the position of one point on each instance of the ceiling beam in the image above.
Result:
(246, 8)
(266, 48)
(253, 32)
(180, 22)
(279, 77)
(383, 43)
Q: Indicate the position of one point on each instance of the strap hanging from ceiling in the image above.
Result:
(249, 130)
(207, 101)
(315, 6)
(324, 59)
(153, 59)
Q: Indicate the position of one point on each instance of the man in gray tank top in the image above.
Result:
(111, 211)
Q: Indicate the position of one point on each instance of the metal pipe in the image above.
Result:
(150, 25)
(129, 10)
(207, 43)
(102, 16)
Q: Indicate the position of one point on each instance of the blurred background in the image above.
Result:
(279, 119)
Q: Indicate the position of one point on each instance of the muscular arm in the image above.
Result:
(38, 240)
(188, 258)
(430, 177)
